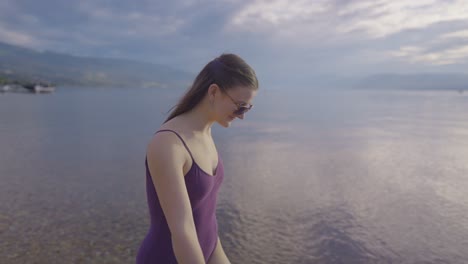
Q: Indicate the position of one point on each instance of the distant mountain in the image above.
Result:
(426, 81)
(18, 63)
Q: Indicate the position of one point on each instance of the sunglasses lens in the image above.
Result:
(241, 110)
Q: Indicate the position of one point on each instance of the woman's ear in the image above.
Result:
(212, 91)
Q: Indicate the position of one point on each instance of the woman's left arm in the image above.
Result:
(218, 256)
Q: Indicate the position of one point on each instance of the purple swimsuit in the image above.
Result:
(202, 190)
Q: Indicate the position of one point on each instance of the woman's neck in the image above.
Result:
(196, 121)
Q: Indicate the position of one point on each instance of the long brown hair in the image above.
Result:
(227, 71)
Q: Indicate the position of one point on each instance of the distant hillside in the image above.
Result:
(62, 69)
(427, 81)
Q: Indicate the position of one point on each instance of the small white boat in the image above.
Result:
(5, 88)
(43, 89)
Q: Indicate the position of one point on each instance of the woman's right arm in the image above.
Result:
(166, 157)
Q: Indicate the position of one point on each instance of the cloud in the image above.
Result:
(382, 18)
(16, 37)
(118, 23)
(421, 55)
(277, 36)
(276, 13)
(84, 23)
(462, 34)
(353, 36)
(13, 35)
(374, 18)
(297, 22)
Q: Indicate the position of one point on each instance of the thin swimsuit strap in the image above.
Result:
(185, 145)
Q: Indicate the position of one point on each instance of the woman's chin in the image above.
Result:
(227, 122)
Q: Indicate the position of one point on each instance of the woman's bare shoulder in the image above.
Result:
(164, 142)
(166, 145)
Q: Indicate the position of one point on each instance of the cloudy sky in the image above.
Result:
(294, 38)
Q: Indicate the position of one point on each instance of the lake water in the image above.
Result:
(340, 176)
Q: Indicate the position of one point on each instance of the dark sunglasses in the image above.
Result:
(242, 108)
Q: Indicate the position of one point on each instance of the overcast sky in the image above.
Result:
(293, 38)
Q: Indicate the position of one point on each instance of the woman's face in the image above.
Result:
(229, 100)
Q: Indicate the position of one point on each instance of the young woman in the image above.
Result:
(184, 170)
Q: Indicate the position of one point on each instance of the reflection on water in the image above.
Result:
(380, 180)
(330, 177)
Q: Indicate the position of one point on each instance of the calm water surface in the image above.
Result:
(311, 177)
